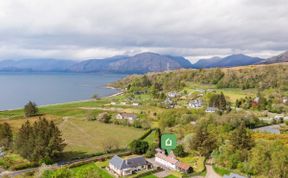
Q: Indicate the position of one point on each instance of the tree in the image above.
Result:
(24, 140)
(40, 142)
(139, 146)
(104, 117)
(6, 136)
(241, 138)
(30, 109)
(204, 142)
(179, 151)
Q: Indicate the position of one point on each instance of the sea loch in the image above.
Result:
(16, 89)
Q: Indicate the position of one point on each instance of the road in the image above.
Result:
(211, 173)
(59, 164)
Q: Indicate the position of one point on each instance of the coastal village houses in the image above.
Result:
(125, 167)
(171, 162)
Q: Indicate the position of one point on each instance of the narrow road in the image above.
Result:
(211, 173)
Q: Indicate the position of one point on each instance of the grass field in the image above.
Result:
(89, 136)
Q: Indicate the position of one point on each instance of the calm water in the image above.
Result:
(16, 89)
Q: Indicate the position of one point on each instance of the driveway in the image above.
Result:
(211, 173)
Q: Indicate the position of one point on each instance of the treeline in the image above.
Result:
(261, 77)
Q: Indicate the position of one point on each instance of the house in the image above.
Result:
(211, 109)
(232, 175)
(279, 117)
(128, 116)
(195, 103)
(285, 100)
(124, 167)
(172, 94)
(113, 103)
(169, 103)
(170, 161)
(135, 104)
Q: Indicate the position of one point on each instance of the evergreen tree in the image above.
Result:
(203, 141)
(241, 138)
(40, 142)
(24, 140)
(6, 136)
(30, 109)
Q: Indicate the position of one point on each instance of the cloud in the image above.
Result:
(80, 29)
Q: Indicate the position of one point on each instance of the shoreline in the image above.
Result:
(119, 92)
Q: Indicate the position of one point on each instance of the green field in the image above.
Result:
(81, 135)
(89, 136)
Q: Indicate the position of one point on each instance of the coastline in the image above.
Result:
(119, 92)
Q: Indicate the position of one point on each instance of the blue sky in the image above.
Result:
(81, 29)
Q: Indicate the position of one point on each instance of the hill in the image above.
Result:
(140, 63)
(277, 59)
(229, 61)
(256, 76)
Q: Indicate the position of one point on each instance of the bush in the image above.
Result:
(30, 109)
(139, 146)
(104, 117)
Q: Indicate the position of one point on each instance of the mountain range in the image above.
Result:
(139, 63)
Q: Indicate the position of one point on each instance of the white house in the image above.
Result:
(171, 162)
(195, 103)
(211, 109)
(128, 116)
(113, 103)
(135, 104)
(123, 103)
(125, 167)
(172, 94)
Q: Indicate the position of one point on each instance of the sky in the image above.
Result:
(81, 29)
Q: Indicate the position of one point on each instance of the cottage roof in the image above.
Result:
(120, 163)
(166, 158)
(183, 166)
(232, 175)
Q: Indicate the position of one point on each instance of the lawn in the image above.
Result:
(89, 136)
(102, 172)
(221, 171)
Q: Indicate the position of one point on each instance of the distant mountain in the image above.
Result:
(35, 65)
(229, 61)
(276, 59)
(206, 63)
(140, 63)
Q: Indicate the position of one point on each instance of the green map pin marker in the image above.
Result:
(168, 142)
